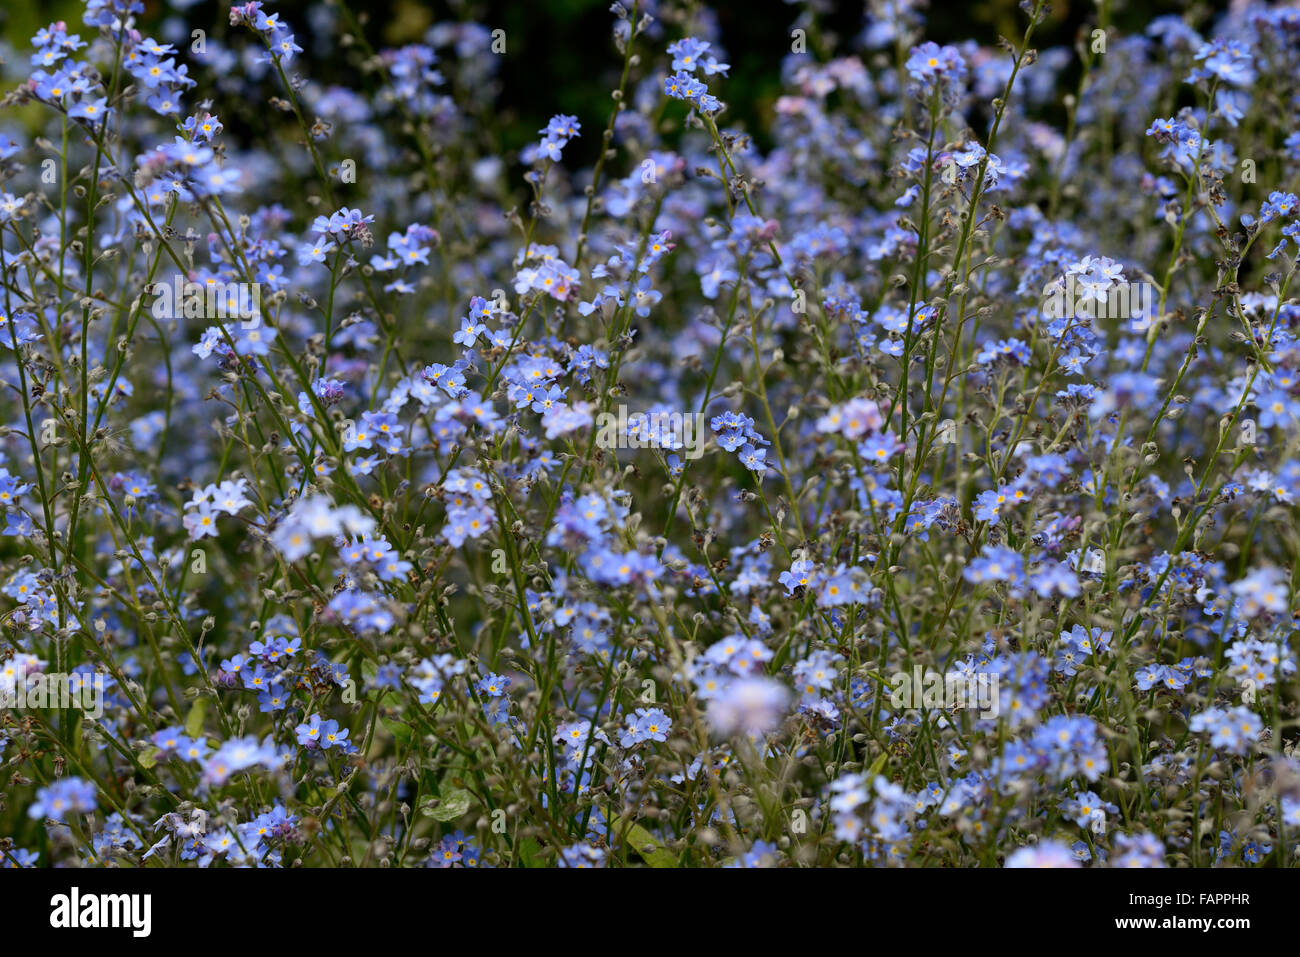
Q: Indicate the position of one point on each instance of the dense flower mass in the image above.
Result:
(909, 482)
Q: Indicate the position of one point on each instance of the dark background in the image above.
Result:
(561, 59)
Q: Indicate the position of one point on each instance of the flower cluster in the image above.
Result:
(355, 466)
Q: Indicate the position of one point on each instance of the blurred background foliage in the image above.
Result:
(560, 57)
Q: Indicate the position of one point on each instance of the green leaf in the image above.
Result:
(194, 720)
(528, 850)
(150, 758)
(644, 844)
(454, 804)
(877, 764)
(399, 729)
